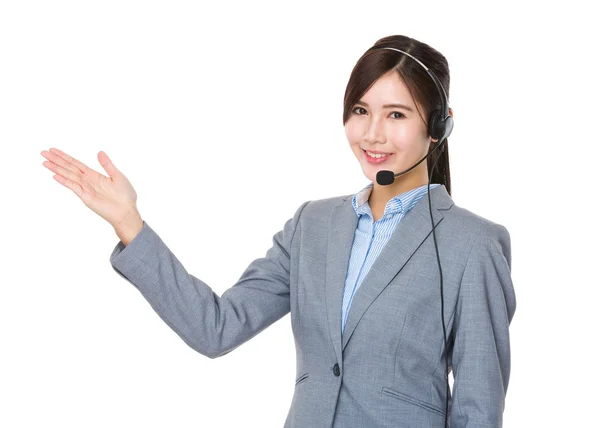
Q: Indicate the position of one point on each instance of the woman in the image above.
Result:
(371, 347)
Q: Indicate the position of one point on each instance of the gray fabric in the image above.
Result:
(390, 357)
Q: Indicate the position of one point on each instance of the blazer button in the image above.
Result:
(336, 370)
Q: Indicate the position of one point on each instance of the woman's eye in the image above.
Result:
(360, 111)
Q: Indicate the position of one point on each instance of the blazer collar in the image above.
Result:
(412, 230)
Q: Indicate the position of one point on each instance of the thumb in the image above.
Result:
(107, 164)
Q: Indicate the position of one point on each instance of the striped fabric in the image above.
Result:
(370, 237)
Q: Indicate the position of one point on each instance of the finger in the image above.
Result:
(107, 164)
(84, 169)
(69, 185)
(53, 157)
(71, 176)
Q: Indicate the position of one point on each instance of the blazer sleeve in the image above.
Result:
(481, 353)
(210, 324)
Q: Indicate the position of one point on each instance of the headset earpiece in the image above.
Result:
(439, 127)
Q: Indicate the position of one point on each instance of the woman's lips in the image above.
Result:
(375, 160)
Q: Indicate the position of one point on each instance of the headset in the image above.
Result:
(439, 128)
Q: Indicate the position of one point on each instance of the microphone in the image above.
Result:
(385, 177)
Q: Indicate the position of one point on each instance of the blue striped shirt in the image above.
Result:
(370, 237)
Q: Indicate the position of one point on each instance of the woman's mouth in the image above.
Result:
(376, 160)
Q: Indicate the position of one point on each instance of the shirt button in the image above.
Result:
(336, 370)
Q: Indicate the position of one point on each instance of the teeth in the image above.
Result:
(377, 156)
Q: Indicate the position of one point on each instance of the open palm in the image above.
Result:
(113, 198)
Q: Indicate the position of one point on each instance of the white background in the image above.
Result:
(229, 114)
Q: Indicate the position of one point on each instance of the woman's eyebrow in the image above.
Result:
(387, 105)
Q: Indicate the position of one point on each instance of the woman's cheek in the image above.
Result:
(400, 143)
(352, 134)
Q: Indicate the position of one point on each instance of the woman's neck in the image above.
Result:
(380, 195)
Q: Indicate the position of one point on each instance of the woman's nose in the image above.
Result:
(375, 131)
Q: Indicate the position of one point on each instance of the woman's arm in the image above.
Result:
(212, 325)
(481, 353)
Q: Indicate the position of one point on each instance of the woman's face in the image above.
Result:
(373, 125)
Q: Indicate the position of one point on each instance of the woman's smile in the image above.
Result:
(377, 160)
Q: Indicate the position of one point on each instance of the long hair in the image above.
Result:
(376, 62)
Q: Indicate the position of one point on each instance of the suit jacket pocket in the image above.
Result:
(425, 405)
(301, 379)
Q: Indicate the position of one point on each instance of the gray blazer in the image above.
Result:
(387, 368)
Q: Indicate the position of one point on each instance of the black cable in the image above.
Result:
(441, 288)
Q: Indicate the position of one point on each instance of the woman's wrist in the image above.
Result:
(128, 229)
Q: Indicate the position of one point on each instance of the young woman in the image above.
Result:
(367, 278)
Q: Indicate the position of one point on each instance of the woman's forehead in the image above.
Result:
(388, 89)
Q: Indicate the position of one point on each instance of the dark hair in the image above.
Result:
(376, 62)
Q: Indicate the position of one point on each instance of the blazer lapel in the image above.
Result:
(412, 230)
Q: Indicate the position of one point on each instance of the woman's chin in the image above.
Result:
(370, 174)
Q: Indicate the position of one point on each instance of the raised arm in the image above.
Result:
(212, 325)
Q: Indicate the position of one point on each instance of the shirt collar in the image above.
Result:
(399, 203)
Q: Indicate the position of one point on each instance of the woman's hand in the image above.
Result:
(113, 198)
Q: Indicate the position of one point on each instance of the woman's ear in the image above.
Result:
(450, 111)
